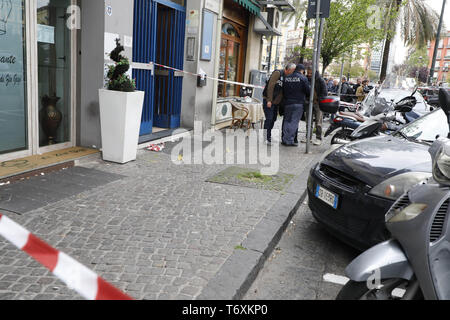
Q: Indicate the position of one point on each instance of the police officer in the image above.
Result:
(295, 89)
(273, 97)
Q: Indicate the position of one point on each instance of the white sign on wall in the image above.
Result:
(212, 5)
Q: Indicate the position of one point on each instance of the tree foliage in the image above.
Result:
(298, 16)
(347, 26)
(418, 23)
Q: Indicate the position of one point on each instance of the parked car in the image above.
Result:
(353, 186)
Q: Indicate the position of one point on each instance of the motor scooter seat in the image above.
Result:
(352, 115)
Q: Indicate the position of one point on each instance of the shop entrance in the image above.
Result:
(159, 27)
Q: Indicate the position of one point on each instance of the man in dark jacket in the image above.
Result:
(273, 96)
(296, 89)
(346, 91)
(320, 91)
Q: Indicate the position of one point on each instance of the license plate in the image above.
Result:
(327, 196)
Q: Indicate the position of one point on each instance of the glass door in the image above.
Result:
(13, 77)
(54, 52)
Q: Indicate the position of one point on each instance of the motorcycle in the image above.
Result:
(415, 263)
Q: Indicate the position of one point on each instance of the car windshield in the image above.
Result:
(394, 89)
(428, 128)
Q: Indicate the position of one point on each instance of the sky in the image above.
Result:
(402, 51)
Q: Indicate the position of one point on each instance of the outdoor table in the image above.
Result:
(247, 113)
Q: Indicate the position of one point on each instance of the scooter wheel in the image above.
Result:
(359, 291)
(341, 135)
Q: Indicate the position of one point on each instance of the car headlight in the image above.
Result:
(394, 187)
(408, 213)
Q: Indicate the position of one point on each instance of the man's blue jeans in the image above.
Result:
(271, 117)
(292, 116)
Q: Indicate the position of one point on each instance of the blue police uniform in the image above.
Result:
(296, 89)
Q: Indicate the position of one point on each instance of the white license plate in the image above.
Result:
(326, 196)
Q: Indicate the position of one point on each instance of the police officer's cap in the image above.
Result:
(300, 67)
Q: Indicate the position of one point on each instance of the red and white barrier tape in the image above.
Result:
(206, 76)
(156, 147)
(75, 275)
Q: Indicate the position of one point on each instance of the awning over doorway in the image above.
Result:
(250, 6)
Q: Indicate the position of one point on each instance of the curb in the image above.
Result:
(238, 273)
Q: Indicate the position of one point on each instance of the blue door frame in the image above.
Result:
(159, 29)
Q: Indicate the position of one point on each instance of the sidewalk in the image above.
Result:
(153, 229)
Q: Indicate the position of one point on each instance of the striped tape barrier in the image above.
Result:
(75, 275)
(208, 77)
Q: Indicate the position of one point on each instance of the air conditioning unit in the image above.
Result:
(274, 18)
(223, 111)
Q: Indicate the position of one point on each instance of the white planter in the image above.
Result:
(120, 119)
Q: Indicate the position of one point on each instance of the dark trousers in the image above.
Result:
(292, 116)
(271, 117)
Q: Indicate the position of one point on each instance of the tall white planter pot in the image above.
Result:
(120, 119)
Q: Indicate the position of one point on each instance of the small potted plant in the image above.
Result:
(120, 111)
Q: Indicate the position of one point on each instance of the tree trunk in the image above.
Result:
(305, 32)
(389, 38)
(387, 49)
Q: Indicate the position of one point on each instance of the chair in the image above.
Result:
(240, 115)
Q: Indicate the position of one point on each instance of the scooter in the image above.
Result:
(347, 118)
(356, 126)
(388, 122)
(415, 263)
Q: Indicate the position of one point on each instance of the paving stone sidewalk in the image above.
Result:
(156, 230)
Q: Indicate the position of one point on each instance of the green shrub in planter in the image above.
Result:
(118, 79)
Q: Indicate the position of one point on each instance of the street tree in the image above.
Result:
(347, 27)
(299, 15)
(418, 25)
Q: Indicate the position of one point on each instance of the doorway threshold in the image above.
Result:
(161, 136)
(22, 168)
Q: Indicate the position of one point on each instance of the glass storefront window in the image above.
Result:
(54, 73)
(13, 98)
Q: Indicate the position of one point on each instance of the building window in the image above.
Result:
(13, 77)
(231, 58)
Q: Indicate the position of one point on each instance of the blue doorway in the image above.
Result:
(159, 30)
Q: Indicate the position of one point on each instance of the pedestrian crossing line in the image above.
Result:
(75, 275)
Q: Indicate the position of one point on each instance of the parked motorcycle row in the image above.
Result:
(384, 188)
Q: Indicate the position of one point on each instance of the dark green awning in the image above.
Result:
(249, 5)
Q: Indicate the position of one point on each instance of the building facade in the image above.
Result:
(441, 71)
(54, 57)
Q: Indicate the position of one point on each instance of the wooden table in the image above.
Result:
(246, 114)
